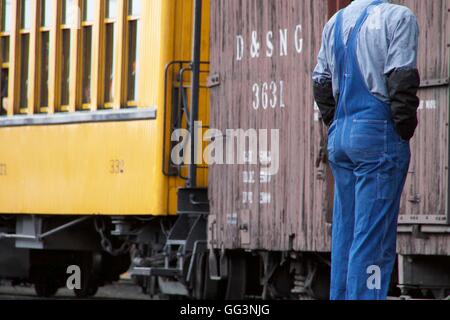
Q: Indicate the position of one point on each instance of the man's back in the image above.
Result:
(388, 40)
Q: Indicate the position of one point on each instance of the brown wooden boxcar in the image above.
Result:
(262, 56)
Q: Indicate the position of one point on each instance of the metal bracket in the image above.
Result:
(213, 80)
(29, 231)
(428, 83)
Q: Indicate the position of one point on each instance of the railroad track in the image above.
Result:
(119, 291)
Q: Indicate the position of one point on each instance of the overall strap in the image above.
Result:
(360, 22)
(340, 48)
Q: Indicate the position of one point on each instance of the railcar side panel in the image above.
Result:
(263, 53)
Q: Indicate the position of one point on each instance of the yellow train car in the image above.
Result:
(91, 93)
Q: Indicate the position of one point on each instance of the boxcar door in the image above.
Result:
(425, 199)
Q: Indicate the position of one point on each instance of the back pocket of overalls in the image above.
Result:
(368, 136)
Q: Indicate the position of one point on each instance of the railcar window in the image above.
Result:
(65, 69)
(87, 25)
(44, 57)
(4, 91)
(111, 9)
(44, 74)
(46, 13)
(5, 28)
(110, 29)
(24, 67)
(25, 18)
(134, 8)
(68, 14)
(68, 18)
(87, 64)
(6, 15)
(88, 10)
(5, 49)
(26, 14)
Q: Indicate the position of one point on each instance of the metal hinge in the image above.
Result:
(434, 82)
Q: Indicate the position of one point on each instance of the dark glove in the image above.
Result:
(403, 85)
(323, 94)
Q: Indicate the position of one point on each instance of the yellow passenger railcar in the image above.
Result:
(91, 91)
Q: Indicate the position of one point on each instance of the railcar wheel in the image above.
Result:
(45, 284)
(45, 289)
(237, 277)
(87, 292)
(204, 287)
(199, 278)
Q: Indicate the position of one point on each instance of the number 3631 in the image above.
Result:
(268, 95)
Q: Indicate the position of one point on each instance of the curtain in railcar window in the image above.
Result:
(134, 10)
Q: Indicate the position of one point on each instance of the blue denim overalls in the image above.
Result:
(370, 163)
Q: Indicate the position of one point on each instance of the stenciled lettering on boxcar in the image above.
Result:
(266, 45)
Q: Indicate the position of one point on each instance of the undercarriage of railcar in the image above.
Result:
(43, 250)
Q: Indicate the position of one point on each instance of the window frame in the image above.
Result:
(63, 26)
(31, 33)
(114, 103)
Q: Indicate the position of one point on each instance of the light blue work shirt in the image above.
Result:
(388, 40)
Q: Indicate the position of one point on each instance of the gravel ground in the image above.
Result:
(125, 289)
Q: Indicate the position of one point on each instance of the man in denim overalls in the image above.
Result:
(368, 65)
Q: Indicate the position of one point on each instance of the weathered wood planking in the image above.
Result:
(295, 216)
(426, 191)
